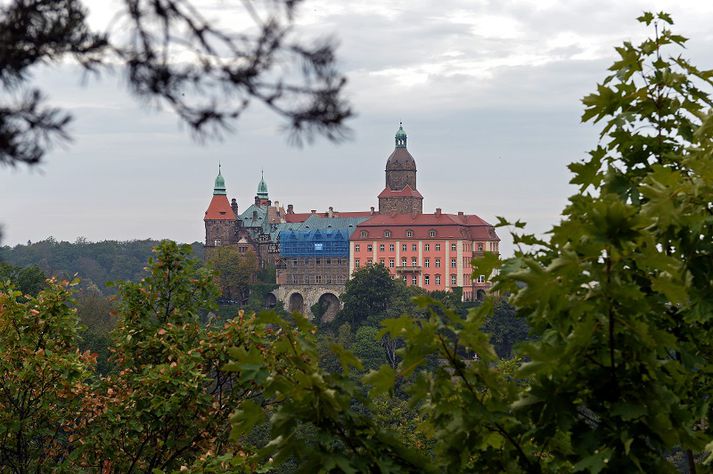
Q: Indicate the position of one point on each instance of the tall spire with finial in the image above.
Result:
(219, 188)
(262, 187)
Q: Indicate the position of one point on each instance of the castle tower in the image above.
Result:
(400, 195)
(220, 218)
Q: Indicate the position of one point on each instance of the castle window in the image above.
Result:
(426, 280)
(387, 233)
(427, 247)
(364, 233)
(318, 261)
(391, 247)
(453, 247)
(403, 262)
(294, 262)
(382, 247)
(382, 261)
(217, 242)
(414, 280)
(438, 247)
(357, 247)
(454, 264)
(329, 262)
(404, 247)
(438, 263)
(318, 279)
(409, 233)
(414, 262)
(438, 279)
(481, 279)
(432, 233)
(391, 263)
(357, 263)
(370, 262)
(453, 280)
(480, 246)
(369, 248)
(414, 247)
(427, 262)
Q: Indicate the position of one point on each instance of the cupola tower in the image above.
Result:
(400, 195)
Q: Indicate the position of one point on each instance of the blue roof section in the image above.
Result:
(318, 237)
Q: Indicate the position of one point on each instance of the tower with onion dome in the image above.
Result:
(400, 196)
(221, 218)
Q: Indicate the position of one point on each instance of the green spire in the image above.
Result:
(262, 187)
(400, 137)
(219, 188)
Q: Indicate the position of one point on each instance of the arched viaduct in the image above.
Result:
(302, 298)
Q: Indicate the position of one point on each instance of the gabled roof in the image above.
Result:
(407, 191)
(219, 209)
(446, 226)
(303, 216)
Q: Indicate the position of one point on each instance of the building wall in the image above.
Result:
(400, 205)
(219, 232)
(315, 271)
(398, 179)
(433, 265)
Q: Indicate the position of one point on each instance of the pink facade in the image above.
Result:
(432, 251)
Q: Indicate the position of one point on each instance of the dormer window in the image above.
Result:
(364, 233)
(387, 233)
(432, 233)
(409, 233)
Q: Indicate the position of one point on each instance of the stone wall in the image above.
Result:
(400, 205)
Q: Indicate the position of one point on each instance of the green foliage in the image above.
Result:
(29, 280)
(94, 262)
(42, 377)
(620, 295)
(234, 272)
(169, 399)
(367, 294)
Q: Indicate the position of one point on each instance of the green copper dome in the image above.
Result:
(219, 188)
(262, 187)
(401, 137)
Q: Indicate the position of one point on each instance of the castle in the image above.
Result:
(314, 253)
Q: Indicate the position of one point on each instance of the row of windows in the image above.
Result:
(319, 261)
(317, 279)
(427, 280)
(426, 247)
(404, 247)
(387, 233)
(414, 262)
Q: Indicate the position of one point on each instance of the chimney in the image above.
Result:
(234, 206)
(269, 203)
(290, 209)
(331, 212)
(438, 212)
(460, 213)
(371, 210)
(313, 211)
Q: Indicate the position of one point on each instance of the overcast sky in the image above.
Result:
(488, 91)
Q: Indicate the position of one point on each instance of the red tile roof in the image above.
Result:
(302, 216)
(447, 226)
(219, 209)
(407, 191)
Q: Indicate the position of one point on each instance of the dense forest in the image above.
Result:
(96, 263)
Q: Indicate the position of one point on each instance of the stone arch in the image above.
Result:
(270, 300)
(330, 305)
(296, 302)
(480, 295)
